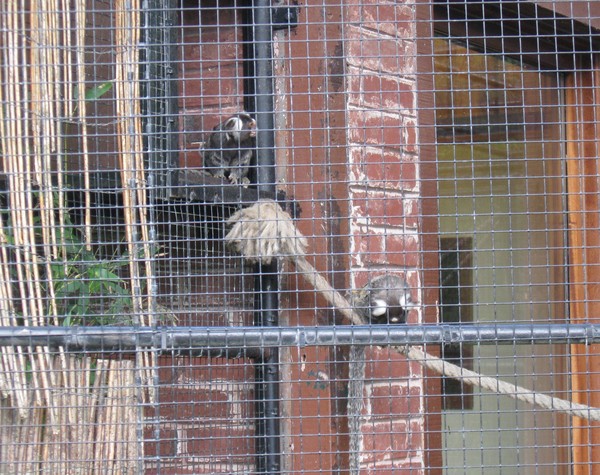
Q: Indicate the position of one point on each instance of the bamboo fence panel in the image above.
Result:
(63, 413)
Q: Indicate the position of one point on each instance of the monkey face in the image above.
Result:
(239, 127)
(385, 299)
(389, 305)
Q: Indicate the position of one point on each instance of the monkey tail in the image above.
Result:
(356, 388)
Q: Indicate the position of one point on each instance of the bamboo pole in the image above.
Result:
(127, 92)
(80, 10)
(16, 151)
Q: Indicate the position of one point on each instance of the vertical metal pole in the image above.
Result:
(159, 85)
(263, 93)
(268, 444)
(259, 80)
(159, 88)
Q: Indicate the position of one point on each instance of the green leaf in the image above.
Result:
(10, 237)
(98, 91)
(59, 271)
(115, 289)
(100, 272)
(117, 308)
(95, 92)
(70, 288)
(119, 263)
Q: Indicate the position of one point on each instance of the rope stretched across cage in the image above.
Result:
(264, 232)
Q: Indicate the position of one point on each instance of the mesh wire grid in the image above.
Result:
(447, 146)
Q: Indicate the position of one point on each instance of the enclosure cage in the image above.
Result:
(264, 236)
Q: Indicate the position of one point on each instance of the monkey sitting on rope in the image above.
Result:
(386, 299)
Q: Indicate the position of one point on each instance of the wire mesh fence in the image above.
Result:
(268, 237)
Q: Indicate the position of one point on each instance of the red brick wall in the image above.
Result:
(203, 422)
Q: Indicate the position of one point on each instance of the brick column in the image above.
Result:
(384, 194)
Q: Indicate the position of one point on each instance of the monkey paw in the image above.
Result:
(244, 181)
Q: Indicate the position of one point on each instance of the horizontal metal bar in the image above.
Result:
(249, 341)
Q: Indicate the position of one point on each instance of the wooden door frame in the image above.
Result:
(582, 90)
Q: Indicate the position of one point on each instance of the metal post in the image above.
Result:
(259, 81)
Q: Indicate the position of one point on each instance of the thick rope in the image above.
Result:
(496, 385)
(264, 232)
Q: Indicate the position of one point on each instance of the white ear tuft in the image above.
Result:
(234, 124)
(380, 308)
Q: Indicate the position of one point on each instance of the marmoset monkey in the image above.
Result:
(230, 148)
(385, 299)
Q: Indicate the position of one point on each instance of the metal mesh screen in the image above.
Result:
(266, 237)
